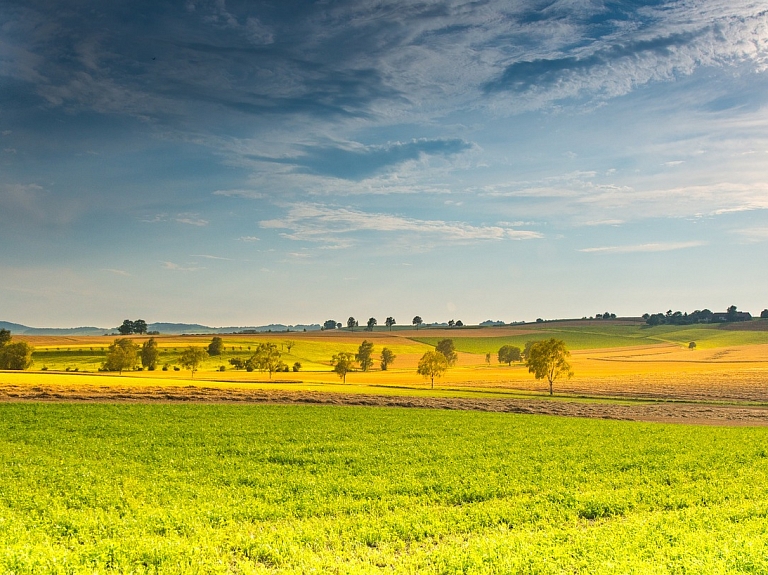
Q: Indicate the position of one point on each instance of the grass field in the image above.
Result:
(273, 489)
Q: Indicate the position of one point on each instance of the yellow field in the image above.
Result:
(664, 370)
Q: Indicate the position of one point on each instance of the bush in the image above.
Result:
(176, 368)
(165, 367)
(296, 366)
(44, 368)
(222, 368)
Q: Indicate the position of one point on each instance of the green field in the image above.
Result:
(157, 488)
(605, 335)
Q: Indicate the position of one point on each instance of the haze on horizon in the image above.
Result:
(244, 163)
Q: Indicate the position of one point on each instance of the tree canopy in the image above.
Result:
(509, 353)
(14, 355)
(387, 358)
(342, 364)
(417, 321)
(390, 322)
(431, 365)
(363, 355)
(216, 347)
(446, 347)
(266, 357)
(371, 323)
(547, 359)
(121, 355)
(149, 354)
(192, 357)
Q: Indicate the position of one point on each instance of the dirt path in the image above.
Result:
(656, 412)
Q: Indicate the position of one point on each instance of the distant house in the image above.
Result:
(725, 316)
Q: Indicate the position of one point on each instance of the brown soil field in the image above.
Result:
(661, 412)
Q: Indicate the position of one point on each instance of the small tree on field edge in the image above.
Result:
(342, 364)
(548, 360)
(387, 358)
(192, 357)
(431, 365)
(363, 355)
(216, 347)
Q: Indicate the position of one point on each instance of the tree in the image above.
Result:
(140, 326)
(391, 321)
(351, 323)
(371, 323)
(451, 323)
(488, 358)
(237, 363)
(216, 347)
(527, 349)
(692, 345)
(548, 359)
(764, 314)
(387, 358)
(192, 357)
(431, 365)
(446, 347)
(342, 364)
(417, 321)
(329, 324)
(459, 323)
(149, 354)
(126, 328)
(289, 343)
(16, 355)
(121, 355)
(363, 355)
(509, 353)
(266, 357)
(5, 337)
(296, 366)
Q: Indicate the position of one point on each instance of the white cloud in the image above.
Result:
(205, 256)
(116, 272)
(317, 223)
(753, 235)
(179, 268)
(639, 248)
(248, 239)
(191, 220)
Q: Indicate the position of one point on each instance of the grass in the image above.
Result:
(275, 489)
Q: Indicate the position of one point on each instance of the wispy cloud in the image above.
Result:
(248, 239)
(191, 220)
(639, 248)
(179, 268)
(116, 272)
(753, 235)
(208, 257)
(318, 223)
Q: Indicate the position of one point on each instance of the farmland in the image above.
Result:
(158, 488)
(160, 472)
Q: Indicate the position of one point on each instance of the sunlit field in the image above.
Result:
(157, 488)
(609, 359)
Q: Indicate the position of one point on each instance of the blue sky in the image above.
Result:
(238, 163)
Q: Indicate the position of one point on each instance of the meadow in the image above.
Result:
(167, 488)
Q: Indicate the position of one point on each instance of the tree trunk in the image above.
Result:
(550, 387)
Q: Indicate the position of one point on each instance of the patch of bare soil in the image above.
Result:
(656, 412)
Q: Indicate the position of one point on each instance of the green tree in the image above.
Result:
(363, 355)
(692, 345)
(342, 364)
(266, 357)
(149, 354)
(121, 355)
(140, 326)
(192, 357)
(509, 353)
(488, 358)
(527, 349)
(387, 358)
(237, 363)
(417, 321)
(16, 355)
(126, 328)
(296, 366)
(216, 347)
(5, 337)
(446, 347)
(351, 323)
(390, 322)
(330, 324)
(431, 365)
(548, 360)
(451, 323)
(371, 323)
(289, 343)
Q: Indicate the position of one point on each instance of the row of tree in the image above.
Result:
(352, 323)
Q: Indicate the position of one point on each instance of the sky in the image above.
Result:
(243, 163)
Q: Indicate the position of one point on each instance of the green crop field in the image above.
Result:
(601, 336)
(153, 488)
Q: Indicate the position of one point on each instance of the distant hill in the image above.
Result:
(163, 328)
